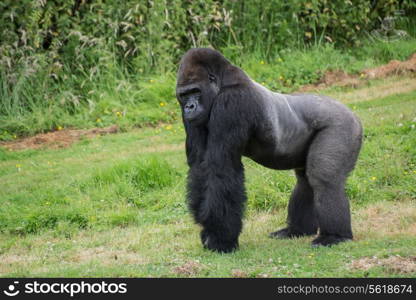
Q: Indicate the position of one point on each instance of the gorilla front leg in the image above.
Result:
(221, 210)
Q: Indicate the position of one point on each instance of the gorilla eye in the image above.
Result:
(211, 78)
(189, 92)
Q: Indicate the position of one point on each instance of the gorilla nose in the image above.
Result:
(190, 107)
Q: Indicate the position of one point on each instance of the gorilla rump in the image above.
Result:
(227, 115)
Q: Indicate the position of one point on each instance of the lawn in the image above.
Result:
(114, 205)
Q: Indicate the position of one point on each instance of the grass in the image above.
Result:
(114, 205)
(111, 95)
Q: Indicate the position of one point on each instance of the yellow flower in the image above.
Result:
(18, 166)
(281, 77)
(59, 128)
(262, 62)
(98, 120)
(279, 59)
(162, 104)
(151, 81)
(118, 114)
(308, 34)
(362, 75)
(373, 178)
(168, 127)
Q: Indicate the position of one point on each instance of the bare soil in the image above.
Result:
(190, 268)
(342, 79)
(392, 264)
(56, 139)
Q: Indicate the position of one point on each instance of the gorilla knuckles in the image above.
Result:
(226, 115)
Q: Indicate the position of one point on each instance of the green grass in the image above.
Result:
(38, 103)
(114, 206)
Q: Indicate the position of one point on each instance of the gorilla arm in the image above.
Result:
(221, 210)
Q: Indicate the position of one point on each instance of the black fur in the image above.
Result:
(226, 115)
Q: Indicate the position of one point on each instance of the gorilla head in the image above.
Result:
(227, 115)
(202, 74)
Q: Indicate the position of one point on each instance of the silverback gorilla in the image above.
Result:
(227, 115)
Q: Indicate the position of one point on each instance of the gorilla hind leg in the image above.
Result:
(331, 157)
(301, 218)
(333, 215)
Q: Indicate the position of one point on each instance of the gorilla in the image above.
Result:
(227, 115)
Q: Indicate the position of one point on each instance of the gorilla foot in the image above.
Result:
(329, 240)
(287, 233)
(213, 243)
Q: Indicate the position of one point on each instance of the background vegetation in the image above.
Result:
(79, 62)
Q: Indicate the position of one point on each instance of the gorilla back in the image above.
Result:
(227, 115)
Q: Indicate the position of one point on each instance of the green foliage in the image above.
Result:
(50, 220)
(116, 190)
(75, 63)
(142, 175)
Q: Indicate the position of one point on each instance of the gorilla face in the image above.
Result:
(196, 90)
(192, 106)
(196, 97)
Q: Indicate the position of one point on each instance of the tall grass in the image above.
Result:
(108, 195)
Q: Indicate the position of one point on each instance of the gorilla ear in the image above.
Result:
(232, 76)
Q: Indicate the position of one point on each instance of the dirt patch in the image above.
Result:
(190, 268)
(338, 78)
(383, 89)
(10, 262)
(385, 219)
(342, 79)
(239, 274)
(393, 264)
(394, 67)
(56, 139)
